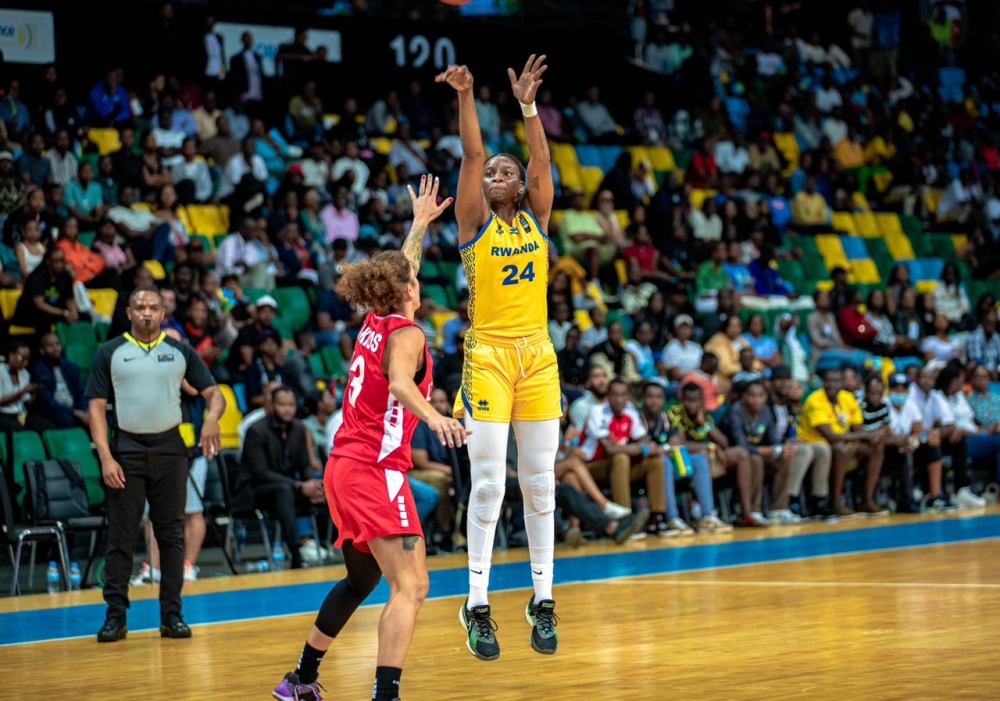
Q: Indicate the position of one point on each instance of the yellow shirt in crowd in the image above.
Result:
(818, 411)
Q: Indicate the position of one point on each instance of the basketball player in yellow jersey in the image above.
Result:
(510, 372)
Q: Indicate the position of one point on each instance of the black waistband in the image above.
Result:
(151, 437)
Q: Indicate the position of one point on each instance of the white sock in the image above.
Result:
(537, 443)
(541, 576)
(488, 460)
(479, 583)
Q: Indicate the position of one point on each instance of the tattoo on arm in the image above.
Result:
(536, 183)
(410, 542)
(413, 246)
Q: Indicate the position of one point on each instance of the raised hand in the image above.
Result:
(458, 77)
(425, 205)
(525, 87)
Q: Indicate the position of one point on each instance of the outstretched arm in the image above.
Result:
(425, 210)
(470, 205)
(541, 191)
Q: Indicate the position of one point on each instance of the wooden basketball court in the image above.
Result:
(901, 608)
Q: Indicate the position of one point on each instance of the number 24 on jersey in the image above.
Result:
(514, 275)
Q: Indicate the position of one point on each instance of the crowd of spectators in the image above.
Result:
(684, 355)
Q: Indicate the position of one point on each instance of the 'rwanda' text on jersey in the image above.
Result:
(515, 251)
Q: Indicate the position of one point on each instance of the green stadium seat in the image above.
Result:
(318, 366)
(449, 268)
(333, 359)
(254, 293)
(83, 356)
(26, 446)
(86, 238)
(74, 444)
(285, 327)
(78, 334)
(438, 295)
(293, 305)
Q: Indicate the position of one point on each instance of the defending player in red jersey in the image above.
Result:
(366, 487)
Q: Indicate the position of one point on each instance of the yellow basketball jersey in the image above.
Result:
(508, 272)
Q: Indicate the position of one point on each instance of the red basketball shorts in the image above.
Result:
(369, 502)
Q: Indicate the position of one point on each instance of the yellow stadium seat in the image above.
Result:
(889, 224)
(185, 217)
(381, 145)
(555, 221)
(865, 272)
(843, 221)
(143, 207)
(209, 219)
(231, 418)
(106, 140)
(640, 154)
(899, 245)
(926, 286)
(624, 218)
(592, 178)
(824, 285)
(8, 302)
(571, 177)
(104, 301)
(563, 153)
(859, 200)
(698, 197)
(832, 250)
(439, 320)
(156, 268)
(330, 121)
(932, 198)
(785, 143)
(662, 158)
(867, 225)
(959, 241)
(519, 132)
(390, 126)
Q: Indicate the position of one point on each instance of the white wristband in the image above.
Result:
(528, 110)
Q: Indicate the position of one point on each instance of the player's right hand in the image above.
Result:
(458, 77)
(450, 431)
(113, 474)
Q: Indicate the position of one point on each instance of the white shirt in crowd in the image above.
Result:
(599, 422)
(933, 407)
(197, 172)
(361, 172)
(686, 356)
(236, 254)
(9, 386)
(901, 421)
(236, 168)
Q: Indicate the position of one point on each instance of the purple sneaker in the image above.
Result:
(290, 689)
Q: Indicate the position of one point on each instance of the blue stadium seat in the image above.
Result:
(609, 156)
(589, 156)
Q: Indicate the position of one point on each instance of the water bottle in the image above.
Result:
(278, 555)
(251, 568)
(53, 578)
(75, 579)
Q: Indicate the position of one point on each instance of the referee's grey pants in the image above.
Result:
(156, 470)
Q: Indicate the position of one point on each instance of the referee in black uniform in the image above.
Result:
(140, 375)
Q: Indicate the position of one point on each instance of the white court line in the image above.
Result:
(883, 585)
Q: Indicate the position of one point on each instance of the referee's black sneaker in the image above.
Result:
(113, 630)
(542, 618)
(173, 626)
(480, 627)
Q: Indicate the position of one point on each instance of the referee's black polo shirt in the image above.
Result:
(143, 381)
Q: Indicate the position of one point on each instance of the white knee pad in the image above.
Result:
(487, 499)
(542, 488)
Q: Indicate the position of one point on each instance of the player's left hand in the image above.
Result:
(525, 87)
(425, 205)
(211, 438)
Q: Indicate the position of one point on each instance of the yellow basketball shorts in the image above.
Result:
(507, 379)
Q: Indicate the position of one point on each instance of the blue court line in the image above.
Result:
(23, 627)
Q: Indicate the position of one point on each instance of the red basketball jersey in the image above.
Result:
(376, 428)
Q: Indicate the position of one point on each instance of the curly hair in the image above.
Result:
(379, 284)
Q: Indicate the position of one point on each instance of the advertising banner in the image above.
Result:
(27, 37)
